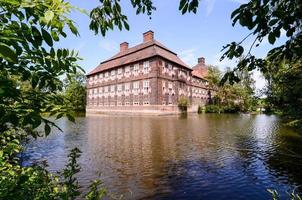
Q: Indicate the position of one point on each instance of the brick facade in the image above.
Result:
(147, 76)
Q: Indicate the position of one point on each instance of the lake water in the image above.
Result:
(208, 156)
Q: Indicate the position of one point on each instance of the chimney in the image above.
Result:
(124, 46)
(201, 60)
(148, 36)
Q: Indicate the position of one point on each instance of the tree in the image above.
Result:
(75, 92)
(284, 85)
(266, 19)
(110, 14)
(30, 81)
(232, 97)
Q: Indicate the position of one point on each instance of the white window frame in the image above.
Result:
(146, 66)
(146, 86)
(119, 71)
(136, 69)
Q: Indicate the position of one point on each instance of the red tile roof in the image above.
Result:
(137, 53)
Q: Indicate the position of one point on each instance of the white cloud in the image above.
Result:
(189, 56)
(260, 81)
(109, 46)
(209, 4)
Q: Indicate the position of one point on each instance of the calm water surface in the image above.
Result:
(207, 156)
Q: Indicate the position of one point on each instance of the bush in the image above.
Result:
(183, 104)
(297, 124)
(212, 109)
(200, 109)
(231, 108)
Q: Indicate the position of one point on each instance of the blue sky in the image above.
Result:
(190, 35)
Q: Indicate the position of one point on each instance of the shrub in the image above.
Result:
(200, 109)
(233, 108)
(212, 108)
(183, 104)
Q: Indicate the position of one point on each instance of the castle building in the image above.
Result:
(146, 78)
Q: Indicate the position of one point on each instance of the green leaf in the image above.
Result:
(126, 25)
(47, 37)
(184, 10)
(47, 129)
(7, 53)
(48, 16)
(70, 117)
(73, 29)
(181, 4)
(271, 38)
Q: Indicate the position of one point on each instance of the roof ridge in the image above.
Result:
(152, 43)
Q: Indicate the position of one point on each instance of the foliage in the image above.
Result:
(28, 31)
(75, 92)
(284, 85)
(212, 108)
(30, 81)
(200, 109)
(109, 13)
(276, 195)
(230, 98)
(183, 104)
(283, 92)
(36, 182)
(266, 20)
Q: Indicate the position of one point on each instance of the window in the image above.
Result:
(170, 85)
(170, 67)
(119, 71)
(112, 74)
(112, 88)
(136, 85)
(119, 87)
(136, 68)
(163, 67)
(146, 66)
(106, 74)
(105, 89)
(146, 86)
(170, 99)
(146, 103)
(127, 69)
(127, 87)
(164, 86)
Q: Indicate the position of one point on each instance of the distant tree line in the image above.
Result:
(231, 98)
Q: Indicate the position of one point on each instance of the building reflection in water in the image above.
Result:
(194, 157)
